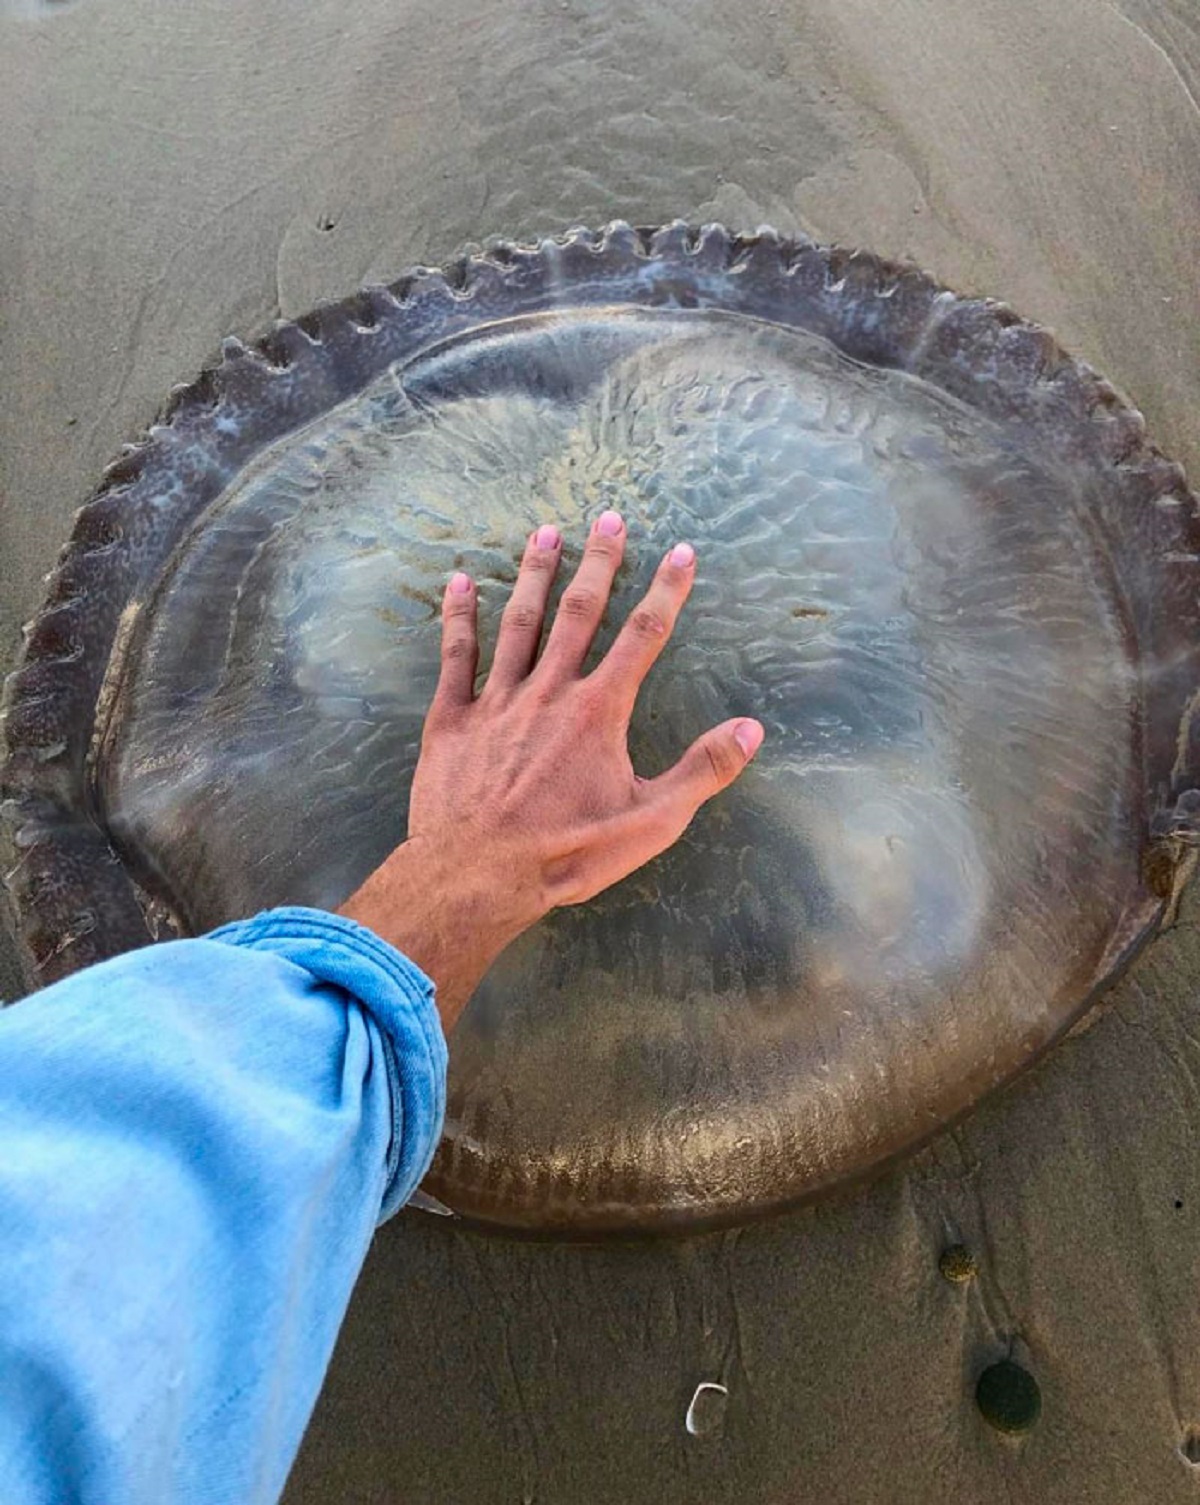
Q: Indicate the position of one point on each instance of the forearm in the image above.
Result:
(199, 1141)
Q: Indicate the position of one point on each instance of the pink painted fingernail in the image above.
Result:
(609, 523)
(683, 554)
(547, 536)
(748, 735)
(460, 584)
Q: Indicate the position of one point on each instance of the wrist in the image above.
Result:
(446, 915)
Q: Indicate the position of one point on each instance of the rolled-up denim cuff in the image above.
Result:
(398, 996)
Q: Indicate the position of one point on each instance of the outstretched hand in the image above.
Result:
(524, 798)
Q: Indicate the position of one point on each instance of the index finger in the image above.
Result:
(648, 627)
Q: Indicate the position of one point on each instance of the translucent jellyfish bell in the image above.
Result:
(936, 559)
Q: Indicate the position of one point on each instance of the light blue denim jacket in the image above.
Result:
(197, 1142)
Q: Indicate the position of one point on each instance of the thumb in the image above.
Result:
(711, 764)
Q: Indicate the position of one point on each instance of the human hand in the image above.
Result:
(524, 797)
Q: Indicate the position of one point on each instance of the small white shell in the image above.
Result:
(707, 1410)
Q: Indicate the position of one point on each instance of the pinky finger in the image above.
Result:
(460, 643)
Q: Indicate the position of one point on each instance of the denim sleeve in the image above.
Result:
(197, 1141)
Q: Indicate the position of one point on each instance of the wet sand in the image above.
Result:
(171, 175)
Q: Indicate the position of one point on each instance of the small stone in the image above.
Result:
(957, 1264)
(1008, 1397)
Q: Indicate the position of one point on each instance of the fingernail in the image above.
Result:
(748, 735)
(547, 536)
(683, 554)
(609, 523)
(460, 584)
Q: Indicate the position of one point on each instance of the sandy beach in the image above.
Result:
(170, 175)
